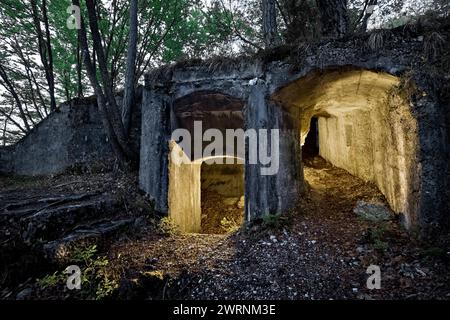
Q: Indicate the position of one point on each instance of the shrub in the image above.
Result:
(168, 226)
(51, 280)
(273, 221)
(376, 235)
(96, 280)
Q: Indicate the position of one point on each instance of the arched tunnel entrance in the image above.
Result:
(206, 192)
(360, 121)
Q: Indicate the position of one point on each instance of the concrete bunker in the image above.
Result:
(383, 115)
(364, 125)
(206, 195)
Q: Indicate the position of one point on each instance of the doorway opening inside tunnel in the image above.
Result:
(222, 198)
(311, 147)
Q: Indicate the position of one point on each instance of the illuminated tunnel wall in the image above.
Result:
(365, 127)
(215, 111)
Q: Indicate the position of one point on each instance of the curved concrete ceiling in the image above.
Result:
(215, 110)
(333, 92)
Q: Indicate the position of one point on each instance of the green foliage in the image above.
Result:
(83, 254)
(64, 47)
(229, 225)
(168, 30)
(376, 237)
(51, 280)
(96, 280)
(273, 221)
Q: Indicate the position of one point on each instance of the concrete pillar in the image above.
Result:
(153, 169)
(277, 193)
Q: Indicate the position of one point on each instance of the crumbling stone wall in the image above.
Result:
(6, 159)
(73, 136)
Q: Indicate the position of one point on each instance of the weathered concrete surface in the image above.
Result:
(410, 171)
(409, 138)
(378, 144)
(73, 136)
(154, 159)
(6, 159)
(276, 192)
(185, 196)
(224, 179)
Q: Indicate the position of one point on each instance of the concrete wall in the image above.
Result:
(277, 192)
(378, 145)
(185, 196)
(154, 151)
(71, 136)
(6, 159)
(366, 126)
(224, 179)
(167, 183)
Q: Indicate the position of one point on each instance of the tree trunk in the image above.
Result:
(79, 62)
(269, 21)
(10, 88)
(45, 49)
(367, 14)
(333, 17)
(101, 101)
(49, 57)
(115, 116)
(129, 90)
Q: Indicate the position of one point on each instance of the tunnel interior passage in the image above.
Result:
(206, 193)
(222, 197)
(364, 125)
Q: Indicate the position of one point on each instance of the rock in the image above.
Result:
(241, 203)
(230, 201)
(139, 223)
(375, 212)
(24, 294)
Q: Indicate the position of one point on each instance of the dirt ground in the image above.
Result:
(216, 208)
(321, 250)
